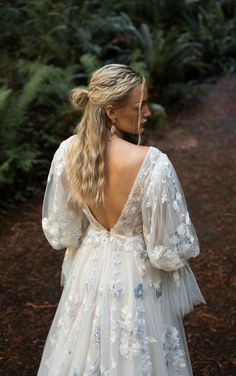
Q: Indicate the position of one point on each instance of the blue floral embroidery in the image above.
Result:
(139, 291)
(74, 372)
(92, 367)
(117, 289)
(143, 254)
(96, 336)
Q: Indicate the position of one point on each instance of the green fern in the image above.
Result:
(216, 35)
(28, 95)
(21, 137)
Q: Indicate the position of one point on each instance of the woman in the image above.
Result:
(120, 211)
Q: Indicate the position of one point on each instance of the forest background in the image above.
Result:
(187, 52)
(49, 47)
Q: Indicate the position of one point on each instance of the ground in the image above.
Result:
(201, 144)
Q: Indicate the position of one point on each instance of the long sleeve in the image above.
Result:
(170, 237)
(63, 223)
(168, 231)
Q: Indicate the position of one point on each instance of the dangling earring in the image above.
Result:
(113, 127)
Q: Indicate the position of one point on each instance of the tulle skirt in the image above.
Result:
(118, 315)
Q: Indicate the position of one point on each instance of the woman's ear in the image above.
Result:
(110, 111)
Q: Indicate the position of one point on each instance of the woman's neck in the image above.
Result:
(117, 134)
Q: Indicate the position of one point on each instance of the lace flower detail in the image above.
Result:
(139, 291)
(96, 336)
(130, 345)
(158, 288)
(74, 372)
(116, 289)
(133, 339)
(104, 371)
(92, 367)
(76, 233)
(174, 355)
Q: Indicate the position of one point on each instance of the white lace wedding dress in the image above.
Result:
(125, 290)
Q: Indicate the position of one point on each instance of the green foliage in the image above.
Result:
(90, 63)
(29, 123)
(217, 37)
(47, 48)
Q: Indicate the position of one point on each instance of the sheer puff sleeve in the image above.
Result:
(63, 223)
(168, 230)
(170, 236)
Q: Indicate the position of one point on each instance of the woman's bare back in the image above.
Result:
(123, 161)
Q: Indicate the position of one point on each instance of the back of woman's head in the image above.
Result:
(111, 85)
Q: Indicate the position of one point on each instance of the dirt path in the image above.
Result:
(201, 145)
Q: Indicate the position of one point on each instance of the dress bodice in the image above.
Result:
(130, 221)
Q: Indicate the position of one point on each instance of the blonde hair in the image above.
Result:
(113, 85)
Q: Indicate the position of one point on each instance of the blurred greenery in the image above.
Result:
(48, 47)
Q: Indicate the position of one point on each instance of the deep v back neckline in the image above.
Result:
(126, 205)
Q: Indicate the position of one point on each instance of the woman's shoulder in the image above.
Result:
(60, 153)
(161, 168)
(135, 153)
(128, 155)
(158, 164)
(63, 146)
(155, 156)
(65, 143)
(155, 160)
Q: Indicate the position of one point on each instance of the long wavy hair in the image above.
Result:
(112, 84)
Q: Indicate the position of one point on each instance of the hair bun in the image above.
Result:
(79, 98)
